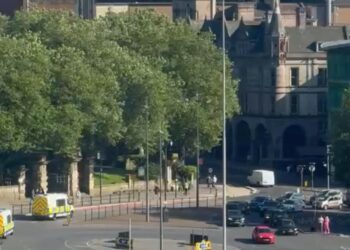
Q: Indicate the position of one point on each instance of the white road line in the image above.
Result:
(68, 246)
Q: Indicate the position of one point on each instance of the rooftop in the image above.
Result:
(335, 45)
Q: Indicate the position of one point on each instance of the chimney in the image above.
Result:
(329, 12)
(301, 17)
(212, 9)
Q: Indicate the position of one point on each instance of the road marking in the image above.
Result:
(68, 246)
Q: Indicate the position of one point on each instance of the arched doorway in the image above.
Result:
(243, 141)
(293, 137)
(261, 143)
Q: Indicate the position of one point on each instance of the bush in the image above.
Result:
(153, 171)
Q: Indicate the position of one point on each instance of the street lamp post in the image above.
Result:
(197, 150)
(312, 169)
(329, 148)
(301, 170)
(147, 166)
(160, 192)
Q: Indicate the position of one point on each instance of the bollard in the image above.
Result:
(21, 208)
(182, 202)
(139, 196)
(215, 202)
(173, 203)
(90, 200)
(82, 201)
(120, 194)
(120, 210)
(134, 207)
(85, 215)
(189, 202)
(110, 199)
(127, 208)
(13, 209)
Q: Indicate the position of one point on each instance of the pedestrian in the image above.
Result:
(215, 179)
(78, 194)
(326, 227)
(186, 187)
(209, 181)
(320, 222)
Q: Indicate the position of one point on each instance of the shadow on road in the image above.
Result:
(23, 218)
(245, 241)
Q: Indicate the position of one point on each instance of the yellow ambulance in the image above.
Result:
(6, 223)
(52, 206)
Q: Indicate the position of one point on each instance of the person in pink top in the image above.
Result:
(326, 228)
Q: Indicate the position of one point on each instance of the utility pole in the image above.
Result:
(329, 148)
(223, 128)
(160, 191)
(147, 165)
(198, 152)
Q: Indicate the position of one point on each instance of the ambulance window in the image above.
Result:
(60, 203)
(9, 219)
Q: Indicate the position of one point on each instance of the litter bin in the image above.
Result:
(165, 214)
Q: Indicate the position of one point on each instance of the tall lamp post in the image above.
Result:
(147, 165)
(160, 192)
(197, 151)
(301, 170)
(223, 128)
(312, 169)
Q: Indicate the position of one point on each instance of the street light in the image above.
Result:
(223, 128)
(197, 150)
(312, 169)
(300, 168)
(160, 191)
(147, 165)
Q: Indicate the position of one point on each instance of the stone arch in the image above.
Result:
(261, 142)
(294, 136)
(243, 141)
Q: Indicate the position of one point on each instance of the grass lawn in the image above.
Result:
(111, 176)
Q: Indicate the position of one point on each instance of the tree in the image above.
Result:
(193, 65)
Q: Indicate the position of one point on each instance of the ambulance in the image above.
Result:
(6, 223)
(52, 206)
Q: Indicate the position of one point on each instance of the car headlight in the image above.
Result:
(229, 218)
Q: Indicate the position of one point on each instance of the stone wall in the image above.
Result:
(11, 193)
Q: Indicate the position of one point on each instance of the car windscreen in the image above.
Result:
(234, 213)
(264, 230)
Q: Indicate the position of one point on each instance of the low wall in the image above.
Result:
(113, 188)
(11, 193)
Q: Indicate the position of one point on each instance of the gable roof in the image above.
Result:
(303, 40)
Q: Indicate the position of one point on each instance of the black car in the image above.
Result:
(287, 227)
(276, 216)
(267, 215)
(258, 202)
(243, 206)
(235, 218)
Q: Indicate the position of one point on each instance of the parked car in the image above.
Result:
(263, 234)
(262, 178)
(330, 202)
(347, 198)
(268, 213)
(235, 218)
(276, 216)
(257, 202)
(324, 194)
(293, 205)
(291, 196)
(287, 227)
(268, 205)
(243, 206)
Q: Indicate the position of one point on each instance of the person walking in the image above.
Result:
(186, 186)
(326, 227)
(209, 181)
(320, 222)
(215, 180)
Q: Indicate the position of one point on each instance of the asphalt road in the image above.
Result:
(48, 235)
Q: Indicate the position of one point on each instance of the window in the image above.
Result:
(293, 104)
(273, 77)
(60, 203)
(9, 219)
(272, 105)
(321, 103)
(294, 77)
(322, 77)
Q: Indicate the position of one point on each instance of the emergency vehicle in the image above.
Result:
(6, 223)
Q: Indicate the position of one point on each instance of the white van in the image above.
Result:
(262, 178)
